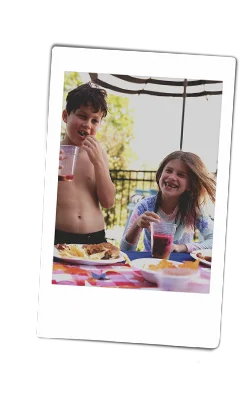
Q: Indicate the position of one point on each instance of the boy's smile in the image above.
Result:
(82, 133)
(81, 123)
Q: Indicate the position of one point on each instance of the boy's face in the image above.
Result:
(81, 123)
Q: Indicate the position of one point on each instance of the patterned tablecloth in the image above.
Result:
(119, 275)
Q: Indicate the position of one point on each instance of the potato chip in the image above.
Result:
(76, 251)
(190, 264)
(65, 253)
(166, 264)
(162, 264)
(153, 267)
(73, 251)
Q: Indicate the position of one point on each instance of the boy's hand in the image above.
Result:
(93, 148)
(143, 221)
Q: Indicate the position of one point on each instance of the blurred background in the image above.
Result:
(149, 118)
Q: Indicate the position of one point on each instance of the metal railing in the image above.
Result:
(131, 186)
(127, 183)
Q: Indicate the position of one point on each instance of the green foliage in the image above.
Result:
(116, 132)
(71, 80)
(140, 245)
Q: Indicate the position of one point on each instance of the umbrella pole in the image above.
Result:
(183, 111)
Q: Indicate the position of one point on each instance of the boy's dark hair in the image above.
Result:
(87, 94)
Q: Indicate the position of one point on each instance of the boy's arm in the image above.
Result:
(105, 188)
(104, 185)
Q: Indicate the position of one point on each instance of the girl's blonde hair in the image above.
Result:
(202, 185)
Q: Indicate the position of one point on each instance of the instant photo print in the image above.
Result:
(136, 192)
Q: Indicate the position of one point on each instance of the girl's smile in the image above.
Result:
(170, 185)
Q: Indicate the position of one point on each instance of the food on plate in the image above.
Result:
(107, 250)
(162, 264)
(62, 246)
(71, 251)
(102, 251)
(93, 248)
(206, 258)
(190, 264)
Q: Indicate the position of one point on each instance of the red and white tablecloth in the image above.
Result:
(119, 275)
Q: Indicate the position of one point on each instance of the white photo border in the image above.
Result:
(126, 315)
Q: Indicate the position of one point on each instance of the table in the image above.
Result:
(133, 255)
(121, 275)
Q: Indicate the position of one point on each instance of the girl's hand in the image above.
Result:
(143, 221)
(93, 148)
(179, 248)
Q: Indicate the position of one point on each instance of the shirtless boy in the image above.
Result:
(78, 215)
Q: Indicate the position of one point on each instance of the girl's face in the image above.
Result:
(174, 180)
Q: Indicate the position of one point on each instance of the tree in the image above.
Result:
(71, 80)
(116, 132)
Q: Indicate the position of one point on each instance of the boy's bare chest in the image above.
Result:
(83, 184)
(84, 172)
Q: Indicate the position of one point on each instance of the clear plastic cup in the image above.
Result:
(162, 236)
(176, 279)
(68, 162)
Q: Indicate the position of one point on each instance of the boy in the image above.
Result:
(78, 215)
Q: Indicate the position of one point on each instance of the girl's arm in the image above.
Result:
(139, 220)
(205, 225)
(125, 245)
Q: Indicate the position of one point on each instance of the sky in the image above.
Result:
(157, 123)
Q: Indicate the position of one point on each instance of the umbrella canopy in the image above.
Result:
(149, 82)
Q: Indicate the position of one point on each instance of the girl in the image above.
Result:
(184, 185)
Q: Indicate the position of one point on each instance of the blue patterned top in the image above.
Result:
(183, 234)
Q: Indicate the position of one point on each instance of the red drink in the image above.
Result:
(67, 162)
(162, 244)
(65, 178)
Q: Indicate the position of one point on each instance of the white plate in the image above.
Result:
(143, 263)
(205, 252)
(79, 260)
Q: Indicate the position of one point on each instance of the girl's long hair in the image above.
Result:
(202, 186)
